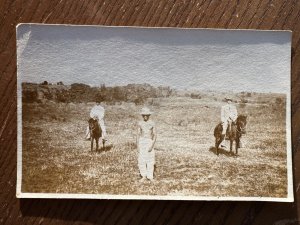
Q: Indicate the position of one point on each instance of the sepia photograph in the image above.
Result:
(153, 113)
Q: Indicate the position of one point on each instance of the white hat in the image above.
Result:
(145, 111)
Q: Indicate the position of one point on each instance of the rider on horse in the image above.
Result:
(97, 113)
(228, 116)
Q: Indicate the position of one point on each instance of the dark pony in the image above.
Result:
(95, 132)
(234, 133)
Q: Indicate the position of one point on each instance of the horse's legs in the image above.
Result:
(222, 138)
(217, 142)
(97, 144)
(240, 145)
(103, 143)
(92, 143)
(231, 142)
(237, 145)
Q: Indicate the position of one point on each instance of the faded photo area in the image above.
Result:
(153, 113)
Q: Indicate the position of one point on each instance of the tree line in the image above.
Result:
(78, 92)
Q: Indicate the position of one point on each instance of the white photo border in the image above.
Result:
(20, 194)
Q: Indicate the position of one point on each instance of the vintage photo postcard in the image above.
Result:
(153, 113)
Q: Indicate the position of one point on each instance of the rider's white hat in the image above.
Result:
(145, 111)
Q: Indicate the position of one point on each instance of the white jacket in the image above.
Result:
(228, 112)
(97, 112)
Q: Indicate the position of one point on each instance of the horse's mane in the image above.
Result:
(241, 117)
(91, 120)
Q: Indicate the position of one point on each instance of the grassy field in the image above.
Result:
(57, 159)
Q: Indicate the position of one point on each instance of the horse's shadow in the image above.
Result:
(106, 148)
(222, 151)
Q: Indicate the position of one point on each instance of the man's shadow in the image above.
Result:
(222, 151)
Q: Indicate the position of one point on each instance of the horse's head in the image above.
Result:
(242, 123)
(93, 124)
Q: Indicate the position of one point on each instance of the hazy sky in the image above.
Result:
(181, 58)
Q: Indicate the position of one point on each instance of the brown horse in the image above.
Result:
(234, 133)
(95, 132)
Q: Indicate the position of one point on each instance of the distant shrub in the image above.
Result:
(47, 94)
(242, 105)
(139, 101)
(160, 91)
(29, 96)
(279, 101)
(79, 86)
(44, 83)
(40, 100)
(196, 96)
(118, 94)
(243, 100)
(80, 92)
(245, 94)
(100, 97)
(63, 96)
(154, 102)
(182, 122)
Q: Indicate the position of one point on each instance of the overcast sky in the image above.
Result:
(181, 58)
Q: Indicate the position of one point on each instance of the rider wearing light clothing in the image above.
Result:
(228, 115)
(97, 112)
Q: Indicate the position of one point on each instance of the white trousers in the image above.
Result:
(146, 159)
(225, 126)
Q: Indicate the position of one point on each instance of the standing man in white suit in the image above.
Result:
(146, 138)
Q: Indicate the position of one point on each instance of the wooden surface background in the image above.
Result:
(243, 14)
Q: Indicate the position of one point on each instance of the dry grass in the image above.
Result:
(56, 159)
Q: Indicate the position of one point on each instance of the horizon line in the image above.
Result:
(155, 86)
